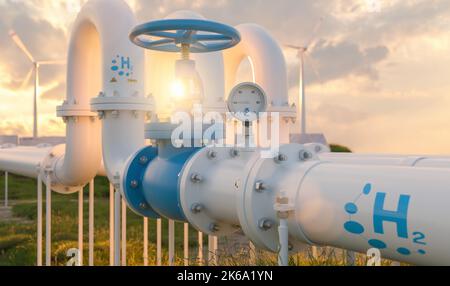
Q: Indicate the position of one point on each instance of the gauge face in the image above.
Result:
(246, 101)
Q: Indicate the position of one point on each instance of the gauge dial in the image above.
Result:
(246, 101)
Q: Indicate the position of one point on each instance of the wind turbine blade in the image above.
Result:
(27, 79)
(293, 47)
(315, 30)
(21, 45)
(57, 62)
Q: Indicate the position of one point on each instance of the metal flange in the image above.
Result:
(209, 185)
(48, 167)
(132, 183)
(118, 103)
(73, 110)
(267, 179)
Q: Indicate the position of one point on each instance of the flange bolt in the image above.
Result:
(134, 184)
(280, 158)
(265, 224)
(196, 178)
(260, 186)
(212, 154)
(196, 208)
(214, 227)
(234, 153)
(143, 160)
(305, 155)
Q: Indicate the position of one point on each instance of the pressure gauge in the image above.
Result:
(246, 101)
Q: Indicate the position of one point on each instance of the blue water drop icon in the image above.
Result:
(367, 189)
(421, 251)
(377, 244)
(114, 68)
(354, 227)
(403, 251)
(351, 208)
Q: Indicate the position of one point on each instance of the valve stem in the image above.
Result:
(185, 51)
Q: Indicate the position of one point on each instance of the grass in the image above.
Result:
(18, 239)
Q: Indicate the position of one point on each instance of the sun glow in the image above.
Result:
(178, 89)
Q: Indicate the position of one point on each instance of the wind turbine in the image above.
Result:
(302, 53)
(34, 69)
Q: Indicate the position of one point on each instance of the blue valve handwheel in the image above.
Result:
(202, 36)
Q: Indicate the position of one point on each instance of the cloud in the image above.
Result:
(382, 74)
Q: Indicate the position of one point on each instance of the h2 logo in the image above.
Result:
(381, 216)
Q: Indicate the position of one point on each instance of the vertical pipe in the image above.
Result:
(145, 254)
(315, 253)
(48, 221)
(212, 250)
(80, 227)
(252, 254)
(91, 223)
(124, 233)
(200, 248)
(186, 244)
(283, 231)
(39, 220)
(117, 201)
(111, 225)
(350, 258)
(6, 189)
(171, 242)
(159, 242)
(216, 248)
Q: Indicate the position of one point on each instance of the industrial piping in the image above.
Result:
(314, 198)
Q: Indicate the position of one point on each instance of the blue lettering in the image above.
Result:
(399, 216)
(125, 63)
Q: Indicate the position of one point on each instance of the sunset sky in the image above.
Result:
(382, 80)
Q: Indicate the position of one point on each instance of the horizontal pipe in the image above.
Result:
(22, 161)
(386, 207)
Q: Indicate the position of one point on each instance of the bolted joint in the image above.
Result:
(143, 206)
(115, 114)
(214, 227)
(305, 155)
(280, 158)
(265, 224)
(212, 154)
(196, 178)
(143, 160)
(234, 153)
(260, 186)
(134, 184)
(197, 208)
(101, 115)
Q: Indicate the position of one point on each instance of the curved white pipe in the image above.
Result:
(267, 60)
(268, 67)
(121, 104)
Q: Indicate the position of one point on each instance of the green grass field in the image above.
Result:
(18, 236)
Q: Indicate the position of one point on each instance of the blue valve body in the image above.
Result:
(157, 181)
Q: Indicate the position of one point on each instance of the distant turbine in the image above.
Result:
(34, 69)
(302, 53)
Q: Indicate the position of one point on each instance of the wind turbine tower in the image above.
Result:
(34, 70)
